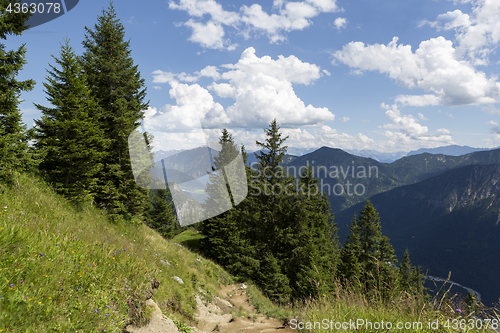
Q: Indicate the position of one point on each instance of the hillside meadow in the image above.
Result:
(68, 269)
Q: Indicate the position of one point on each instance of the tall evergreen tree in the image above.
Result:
(410, 277)
(224, 241)
(13, 134)
(118, 88)
(315, 251)
(367, 255)
(349, 266)
(162, 216)
(67, 136)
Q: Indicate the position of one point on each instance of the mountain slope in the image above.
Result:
(449, 222)
(346, 171)
(70, 269)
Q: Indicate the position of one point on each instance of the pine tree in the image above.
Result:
(162, 216)
(349, 266)
(118, 88)
(367, 255)
(69, 139)
(315, 248)
(224, 242)
(405, 272)
(410, 277)
(272, 179)
(14, 137)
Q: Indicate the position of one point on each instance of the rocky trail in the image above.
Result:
(230, 314)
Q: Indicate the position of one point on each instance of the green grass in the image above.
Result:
(69, 269)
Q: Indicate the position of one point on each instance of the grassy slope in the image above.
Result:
(68, 270)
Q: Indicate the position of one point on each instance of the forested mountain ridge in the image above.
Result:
(449, 222)
(343, 167)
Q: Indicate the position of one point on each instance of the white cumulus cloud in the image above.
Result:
(261, 88)
(340, 22)
(286, 16)
(433, 67)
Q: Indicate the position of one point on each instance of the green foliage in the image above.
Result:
(118, 89)
(282, 234)
(12, 23)
(162, 215)
(14, 152)
(67, 136)
(183, 327)
(367, 256)
(225, 240)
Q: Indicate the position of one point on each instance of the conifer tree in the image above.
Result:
(315, 250)
(14, 137)
(405, 272)
(410, 277)
(224, 241)
(273, 180)
(67, 136)
(367, 255)
(162, 216)
(118, 88)
(349, 266)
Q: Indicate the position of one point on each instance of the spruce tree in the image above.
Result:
(349, 266)
(410, 277)
(224, 242)
(314, 254)
(367, 255)
(14, 137)
(67, 136)
(162, 215)
(119, 91)
(405, 272)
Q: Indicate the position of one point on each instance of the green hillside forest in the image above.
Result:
(83, 248)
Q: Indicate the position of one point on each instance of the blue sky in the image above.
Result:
(385, 75)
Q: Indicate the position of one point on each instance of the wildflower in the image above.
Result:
(57, 244)
(41, 254)
(458, 310)
(11, 285)
(120, 268)
(95, 310)
(21, 281)
(107, 306)
(106, 314)
(22, 213)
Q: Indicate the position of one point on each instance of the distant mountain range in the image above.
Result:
(452, 150)
(376, 155)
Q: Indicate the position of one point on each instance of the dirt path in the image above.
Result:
(233, 313)
(217, 317)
